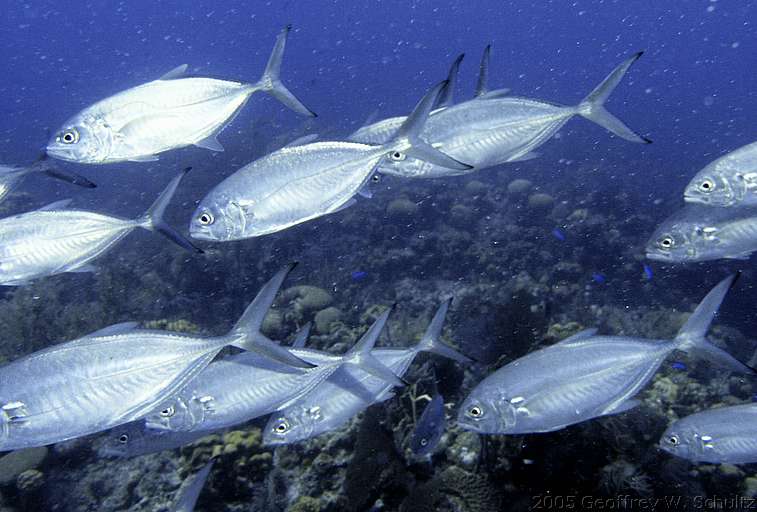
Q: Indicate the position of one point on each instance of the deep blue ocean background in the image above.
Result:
(694, 93)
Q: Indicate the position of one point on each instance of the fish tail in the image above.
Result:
(271, 82)
(593, 109)
(246, 332)
(153, 219)
(432, 338)
(691, 337)
(360, 355)
(408, 140)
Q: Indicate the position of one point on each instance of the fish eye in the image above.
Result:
(282, 427)
(397, 156)
(375, 178)
(168, 412)
(206, 218)
(476, 411)
(707, 185)
(69, 136)
(424, 442)
(674, 440)
(123, 438)
(666, 242)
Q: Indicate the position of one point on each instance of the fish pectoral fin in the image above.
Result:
(624, 406)
(177, 72)
(344, 206)
(528, 156)
(210, 142)
(741, 257)
(88, 267)
(144, 158)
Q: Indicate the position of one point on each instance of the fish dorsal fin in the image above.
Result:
(495, 94)
(114, 329)
(447, 96)
(482, 86)
(177, 72)
(581, 335)
(57, 205)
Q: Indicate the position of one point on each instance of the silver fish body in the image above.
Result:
(701, 233)
(584, 377)
(494, 128)
(335, 401)
(429, 429)
(570, 382)
(730, 181)
(235, 390)
(726, 435)
(95, 383)
(169, 113)
(285, 188)
(52, 240)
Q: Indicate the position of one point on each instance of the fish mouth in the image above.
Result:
(112, 453)
(691, 198)
(201, 234)
(655, 256)
(59, 153)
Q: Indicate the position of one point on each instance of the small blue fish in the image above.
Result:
(429, 429)
(559, 234)
(678, 365)
(359, 275)
(648, 275)
(599, 278)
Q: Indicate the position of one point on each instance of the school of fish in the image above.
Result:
(156, 390)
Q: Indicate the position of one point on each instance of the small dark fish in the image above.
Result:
(359, 275)
(599, 278)
(559, 234)
(678, 365)
(648, 275)
(429, 429)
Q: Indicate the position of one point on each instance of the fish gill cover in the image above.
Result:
(561, 225)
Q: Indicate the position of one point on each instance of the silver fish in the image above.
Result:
(114, 376)
(495, 128)
(350, 390)
(703, 233)
(52, 240)
(11, 176)
(584, 377)
(169, 113)
(186, 497)
(731, 180)
(429, 428)
(297, 184)
(726, 435)
(239, 388)
(135, 439)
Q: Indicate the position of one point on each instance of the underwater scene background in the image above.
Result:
(532, 251)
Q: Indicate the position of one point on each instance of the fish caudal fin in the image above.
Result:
(153, 219)
(360, 355)
(691, 337)
(408, 139)
(432, 338)
(592, 107)
(189, 492)
(271, 82)
(246, 333)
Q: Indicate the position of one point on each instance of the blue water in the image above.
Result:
(694, 93)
